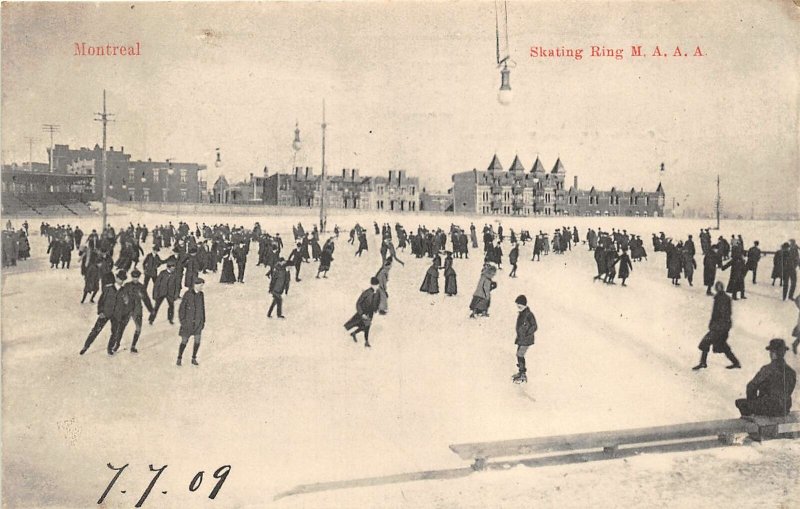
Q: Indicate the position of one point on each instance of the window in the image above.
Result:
(131, 194)
(413, 190)
(183, 176)
(145, 194)
(131, 175)
(183, 193)
(155, 175)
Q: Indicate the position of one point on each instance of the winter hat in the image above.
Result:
(122, 275)
(135, 273)
(108, 279)
(777, 345)
(374, 281)
(199, 281)
(521, 300)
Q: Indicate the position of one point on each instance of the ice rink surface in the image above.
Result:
(295, 401)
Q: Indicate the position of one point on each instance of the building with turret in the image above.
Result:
(520, 192)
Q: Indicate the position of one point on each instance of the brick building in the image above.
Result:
(517, 191)
(129, 180)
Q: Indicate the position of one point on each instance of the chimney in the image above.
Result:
(575, 182)
(122, 149)
(355, 174)
(297, 172)
(111, 148)
(344, 173)
(308, 172)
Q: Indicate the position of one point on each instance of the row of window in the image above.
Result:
(413, 190)
(401, 205)
(157, 172)
(146, 194)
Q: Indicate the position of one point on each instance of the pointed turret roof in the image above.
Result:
(537, 166)
(517, 165)
(558, 167)
(660, 189)
(495, 164)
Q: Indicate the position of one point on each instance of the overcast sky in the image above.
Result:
(414, 86)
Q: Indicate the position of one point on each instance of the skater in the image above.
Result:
(769, 393)
(711, 260)
(753, 257)
(513, 256)
(227, 276)
(362, 243)
(240, 255)
(91, 281)
(718, 329)
(105, 308)
(430, 283)
(278, 285)
(325, 259)
(123, 307)
(526, 327)
(165, 287)
(139, 294)
(796, 330)
(625, 266)
(383, 282)
(481, 298)
(450, 282)
(738, 273)
(366, 306)
(296, 259)
(192, 315)
(150, 266)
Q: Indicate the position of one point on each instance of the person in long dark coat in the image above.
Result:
(718, 329)
(738, 272)
(625, 266)
(227, 276)
(688, 265)
(325, 259)
(753, 257)
(450, 282)
(165, 288)
(91, 281)
(192, 315)
(366, 306)
(430, 283)
(777, 264)
(54, 250)
(674, 264)
(513, 257)
(362, 243)
(711, 260)
(278, 285)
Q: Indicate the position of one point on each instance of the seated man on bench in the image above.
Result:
(769, 393)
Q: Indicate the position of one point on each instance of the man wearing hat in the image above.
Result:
(165, 287)
(366, 305)
(526, 327)
(105, 308)
(769, 393)
(192, 314)
(138, 295)
(150, 265)
(191, 267)
(278, 284)
(718, 329)
(123, 308)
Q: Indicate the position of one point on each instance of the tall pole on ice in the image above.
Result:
(103, 117)
(718, 200)
(322, 183)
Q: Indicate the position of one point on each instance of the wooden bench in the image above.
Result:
(726, 432)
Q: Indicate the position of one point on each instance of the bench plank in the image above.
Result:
(602, 439)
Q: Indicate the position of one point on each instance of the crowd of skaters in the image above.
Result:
(186, 253)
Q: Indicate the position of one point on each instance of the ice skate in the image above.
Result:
(521, 379)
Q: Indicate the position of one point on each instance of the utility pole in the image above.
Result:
(718, 201)
(104, 118)
(30, 140)
(322, 194)
(51, 128)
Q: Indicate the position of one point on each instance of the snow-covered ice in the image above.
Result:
(296, 401)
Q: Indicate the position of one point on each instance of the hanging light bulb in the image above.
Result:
(218, 162)
(504, 95)
(297, 144)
